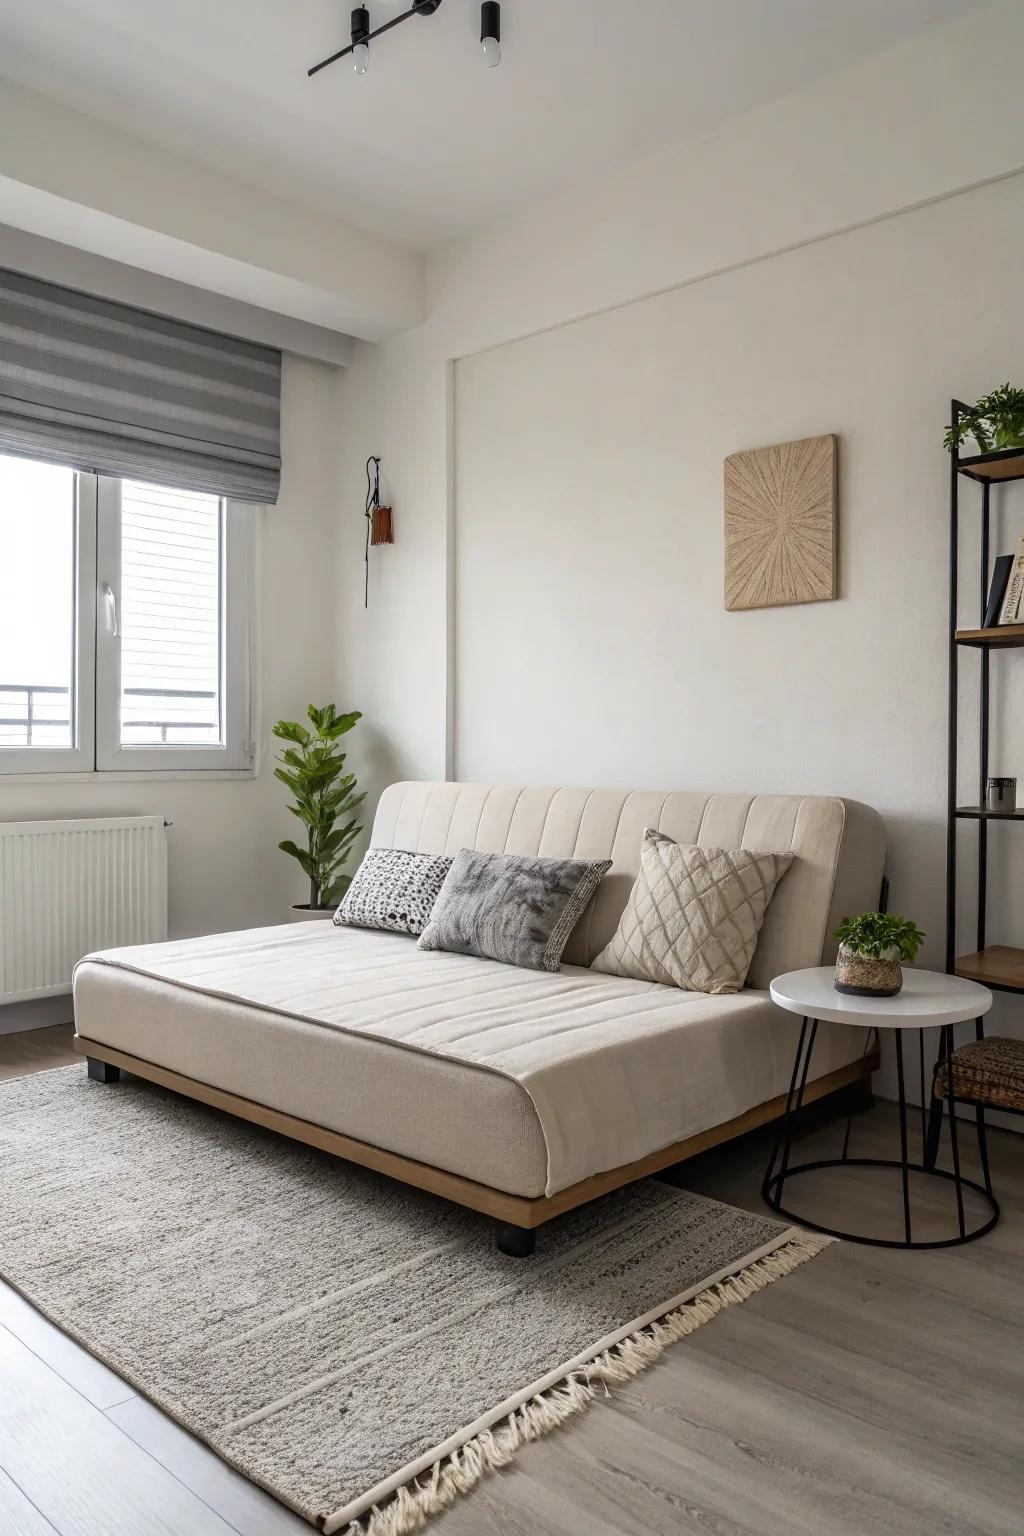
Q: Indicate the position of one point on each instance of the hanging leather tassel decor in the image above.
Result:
(380, 527)
(381, 530)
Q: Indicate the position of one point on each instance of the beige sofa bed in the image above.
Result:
(518, 1093)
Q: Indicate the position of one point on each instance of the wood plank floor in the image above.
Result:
(37, 1050)
(871, 1392)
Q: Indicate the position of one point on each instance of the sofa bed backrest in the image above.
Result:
(839, 849)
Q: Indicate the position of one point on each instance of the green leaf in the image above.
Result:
(996, 420)
(312, 768)
(341, 835)
(873, 933)
(292, 780)
(323, 771)
(339, 796)
(342, 725)
(299, 853)
(292, 758)
(336, 891)
(289, 730)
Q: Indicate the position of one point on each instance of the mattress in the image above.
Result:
(522, 1080)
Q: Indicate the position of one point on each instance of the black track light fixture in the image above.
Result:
(490, 32)
(362, 34)
(360, 39)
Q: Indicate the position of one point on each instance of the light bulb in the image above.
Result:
(360, 58)
(490, 32)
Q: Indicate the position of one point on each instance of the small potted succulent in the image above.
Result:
(312, 766)
(995, 422)
(872, 948)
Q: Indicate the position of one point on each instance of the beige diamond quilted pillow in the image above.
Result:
(693, 915)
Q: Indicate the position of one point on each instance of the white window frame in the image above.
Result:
(96, 679)
(235, 751)
(80, 756)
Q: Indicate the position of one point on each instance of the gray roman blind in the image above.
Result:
(105, 387)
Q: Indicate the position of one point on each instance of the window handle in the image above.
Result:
(111, 608)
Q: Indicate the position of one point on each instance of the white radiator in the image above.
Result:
(68, 887)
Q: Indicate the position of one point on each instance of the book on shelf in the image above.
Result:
(1012, 609)
(997, 589)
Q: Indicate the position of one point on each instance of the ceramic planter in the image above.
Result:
(306, 913)
(868, 975)
(1001, 439)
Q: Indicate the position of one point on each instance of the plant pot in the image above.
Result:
(860, 975)
(306, 913)
(1000, 440)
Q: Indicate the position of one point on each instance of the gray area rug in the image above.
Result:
(355, 1347)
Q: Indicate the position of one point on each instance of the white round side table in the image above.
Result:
(928, 999)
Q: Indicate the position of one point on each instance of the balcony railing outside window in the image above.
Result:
(36, 715)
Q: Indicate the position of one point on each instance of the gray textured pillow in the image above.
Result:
(393, 889)
(503, 906)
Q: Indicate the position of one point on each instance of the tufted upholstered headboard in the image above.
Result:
(839, 848)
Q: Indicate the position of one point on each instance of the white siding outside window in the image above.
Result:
(171, 617)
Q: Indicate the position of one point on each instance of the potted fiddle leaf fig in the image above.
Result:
(995, 422)
(872, 948)
(312, 765)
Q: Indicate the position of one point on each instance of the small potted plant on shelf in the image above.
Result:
(313, 768)
(872, 948)
(995, 422)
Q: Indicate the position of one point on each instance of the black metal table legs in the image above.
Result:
(780, 1168)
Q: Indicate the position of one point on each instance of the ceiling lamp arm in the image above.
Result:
(418, 8)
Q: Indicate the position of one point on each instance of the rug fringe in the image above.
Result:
(409, 1508)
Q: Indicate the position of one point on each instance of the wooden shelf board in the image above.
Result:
(1007, 465)
(982, 813)
(1001, 637)
(997, 966)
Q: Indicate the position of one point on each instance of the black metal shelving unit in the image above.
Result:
(997, 967)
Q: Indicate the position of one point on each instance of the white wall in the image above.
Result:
(927, 119)
(913, 127)
(225, 868)
(592, 645)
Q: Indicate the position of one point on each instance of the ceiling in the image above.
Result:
(430, 142)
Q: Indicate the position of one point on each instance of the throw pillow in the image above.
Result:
(393, 889)
(504, 906)
(693, 915)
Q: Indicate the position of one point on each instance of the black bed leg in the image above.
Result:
(517, 1242)
(102, 1071)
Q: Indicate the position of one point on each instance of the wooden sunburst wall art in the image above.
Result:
(780, 524)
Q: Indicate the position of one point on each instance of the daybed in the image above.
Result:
(518, 1093)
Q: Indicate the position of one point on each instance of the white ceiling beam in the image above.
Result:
(74, 268)
(71, 179)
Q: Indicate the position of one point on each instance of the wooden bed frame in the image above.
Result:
(517, 1216)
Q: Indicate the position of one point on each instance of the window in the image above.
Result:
(124, 624)
(172, 570)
